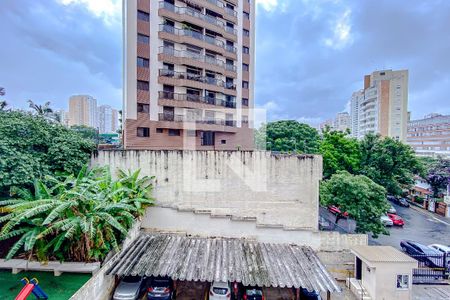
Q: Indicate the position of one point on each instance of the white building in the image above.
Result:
(382, 106)
(107, 119)
(342, 121)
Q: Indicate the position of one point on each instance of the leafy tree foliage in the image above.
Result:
(339, 152)
(32, 147)
(78, 218)
(438, 174)
(86, 132)
(292, 136)
(364, 200)
(388, 162)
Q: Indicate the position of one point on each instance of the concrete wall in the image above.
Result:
(101, 286)
(275, 191)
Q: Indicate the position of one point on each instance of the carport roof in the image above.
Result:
(224, 259)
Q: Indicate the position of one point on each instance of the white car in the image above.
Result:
(444, 250)
(129, 288)
(219, 291)
(386, 221)
(392, 210)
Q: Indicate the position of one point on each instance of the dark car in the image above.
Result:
(253, 293)
(307, 295)
(160, 288)
(403, 202)
(428, 255)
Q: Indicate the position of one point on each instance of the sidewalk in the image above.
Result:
(430, 214)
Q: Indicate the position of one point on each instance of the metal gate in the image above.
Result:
(433, 269)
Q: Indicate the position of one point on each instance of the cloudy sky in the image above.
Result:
(311, 54)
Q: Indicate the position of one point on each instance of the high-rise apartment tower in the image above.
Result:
(83, 111)
(188, 74)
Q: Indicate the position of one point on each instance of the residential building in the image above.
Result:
(342, 121)
(83, 111)
(107, 119)
(188, 74)
(430, 136)
(382, 106)
(63, 117)
(327, 124)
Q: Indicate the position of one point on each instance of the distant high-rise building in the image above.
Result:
(342, 121)
(63, 117)
(382, 106)
(430, 136)
(83, 111)
(107, 119)
(189, 74)
(327, 124)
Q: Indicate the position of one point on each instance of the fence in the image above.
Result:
(433, 269)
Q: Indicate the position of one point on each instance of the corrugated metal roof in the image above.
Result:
(381, 254)
(224, 259)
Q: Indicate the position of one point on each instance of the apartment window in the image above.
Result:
(207, 138)
(246, 32)
(159, 130)
(142, 38)
(223, 142)
(143, 108)
(143, 85)
(246, 15)
(144, 16)
(174, 132)
(245, 84)
(143, 62)
(245, 67)
(245, 119)
(402, 281)
(143, 132)
(245, 50)
(244, 101)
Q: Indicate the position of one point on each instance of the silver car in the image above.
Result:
(129, 288)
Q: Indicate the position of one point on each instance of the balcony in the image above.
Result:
(193, 123)
(220, 4)
(198, 36)
(197, 77)
(197, 57)
(197, 99)
(197, 15)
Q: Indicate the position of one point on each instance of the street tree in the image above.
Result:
(364, 200)
(438, 176)
(390, 163)
(340, 152)
(291, 136)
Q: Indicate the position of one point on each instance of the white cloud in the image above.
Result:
(108, 10)
(270, 106)
(268, 5)
(341, 32)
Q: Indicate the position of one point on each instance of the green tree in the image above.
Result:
(79, 218)
(438, 174)
(339, 152)
(290, 135)
(3, 105)
(32, 147)
(87, 132)
(388, 162)
(364, 200)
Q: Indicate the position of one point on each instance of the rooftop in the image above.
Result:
(224, 259)
(381, 254)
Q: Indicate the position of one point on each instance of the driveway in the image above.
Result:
(420, 226)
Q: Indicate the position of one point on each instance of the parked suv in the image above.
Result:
(219, 291)
(160, 288)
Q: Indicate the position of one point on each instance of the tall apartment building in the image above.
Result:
(188, 74)
(340, 123)
(107, 119)
(382, 106)
(83, 111)
(430, 136)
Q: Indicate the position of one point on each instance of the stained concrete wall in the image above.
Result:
(273, 190)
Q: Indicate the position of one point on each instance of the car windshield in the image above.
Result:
(131, 279)
(254, 292)
(220, 291)
(160, 283)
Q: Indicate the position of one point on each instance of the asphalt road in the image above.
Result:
(420, 226)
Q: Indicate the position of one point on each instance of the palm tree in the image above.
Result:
(41, 110)
(3, 105)
(81, 218)
(2, 91)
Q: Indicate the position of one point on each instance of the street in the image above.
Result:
(420, 226)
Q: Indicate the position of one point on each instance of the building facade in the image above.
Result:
(83, 111)
(188, 74)
(430, 136)
(382, 106)
(342, 121)
(107, 119)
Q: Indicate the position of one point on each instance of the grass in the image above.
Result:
(58, 288)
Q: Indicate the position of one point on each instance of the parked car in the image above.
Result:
(307, 295)
(253, 293)
(129, 288)
(396, 219)
(392, 210)
(428, 255)
(444, 250)
(160, 288)
(391, 198)
(336, 211)
(219, 290)
(403, 202)
(386, 221)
